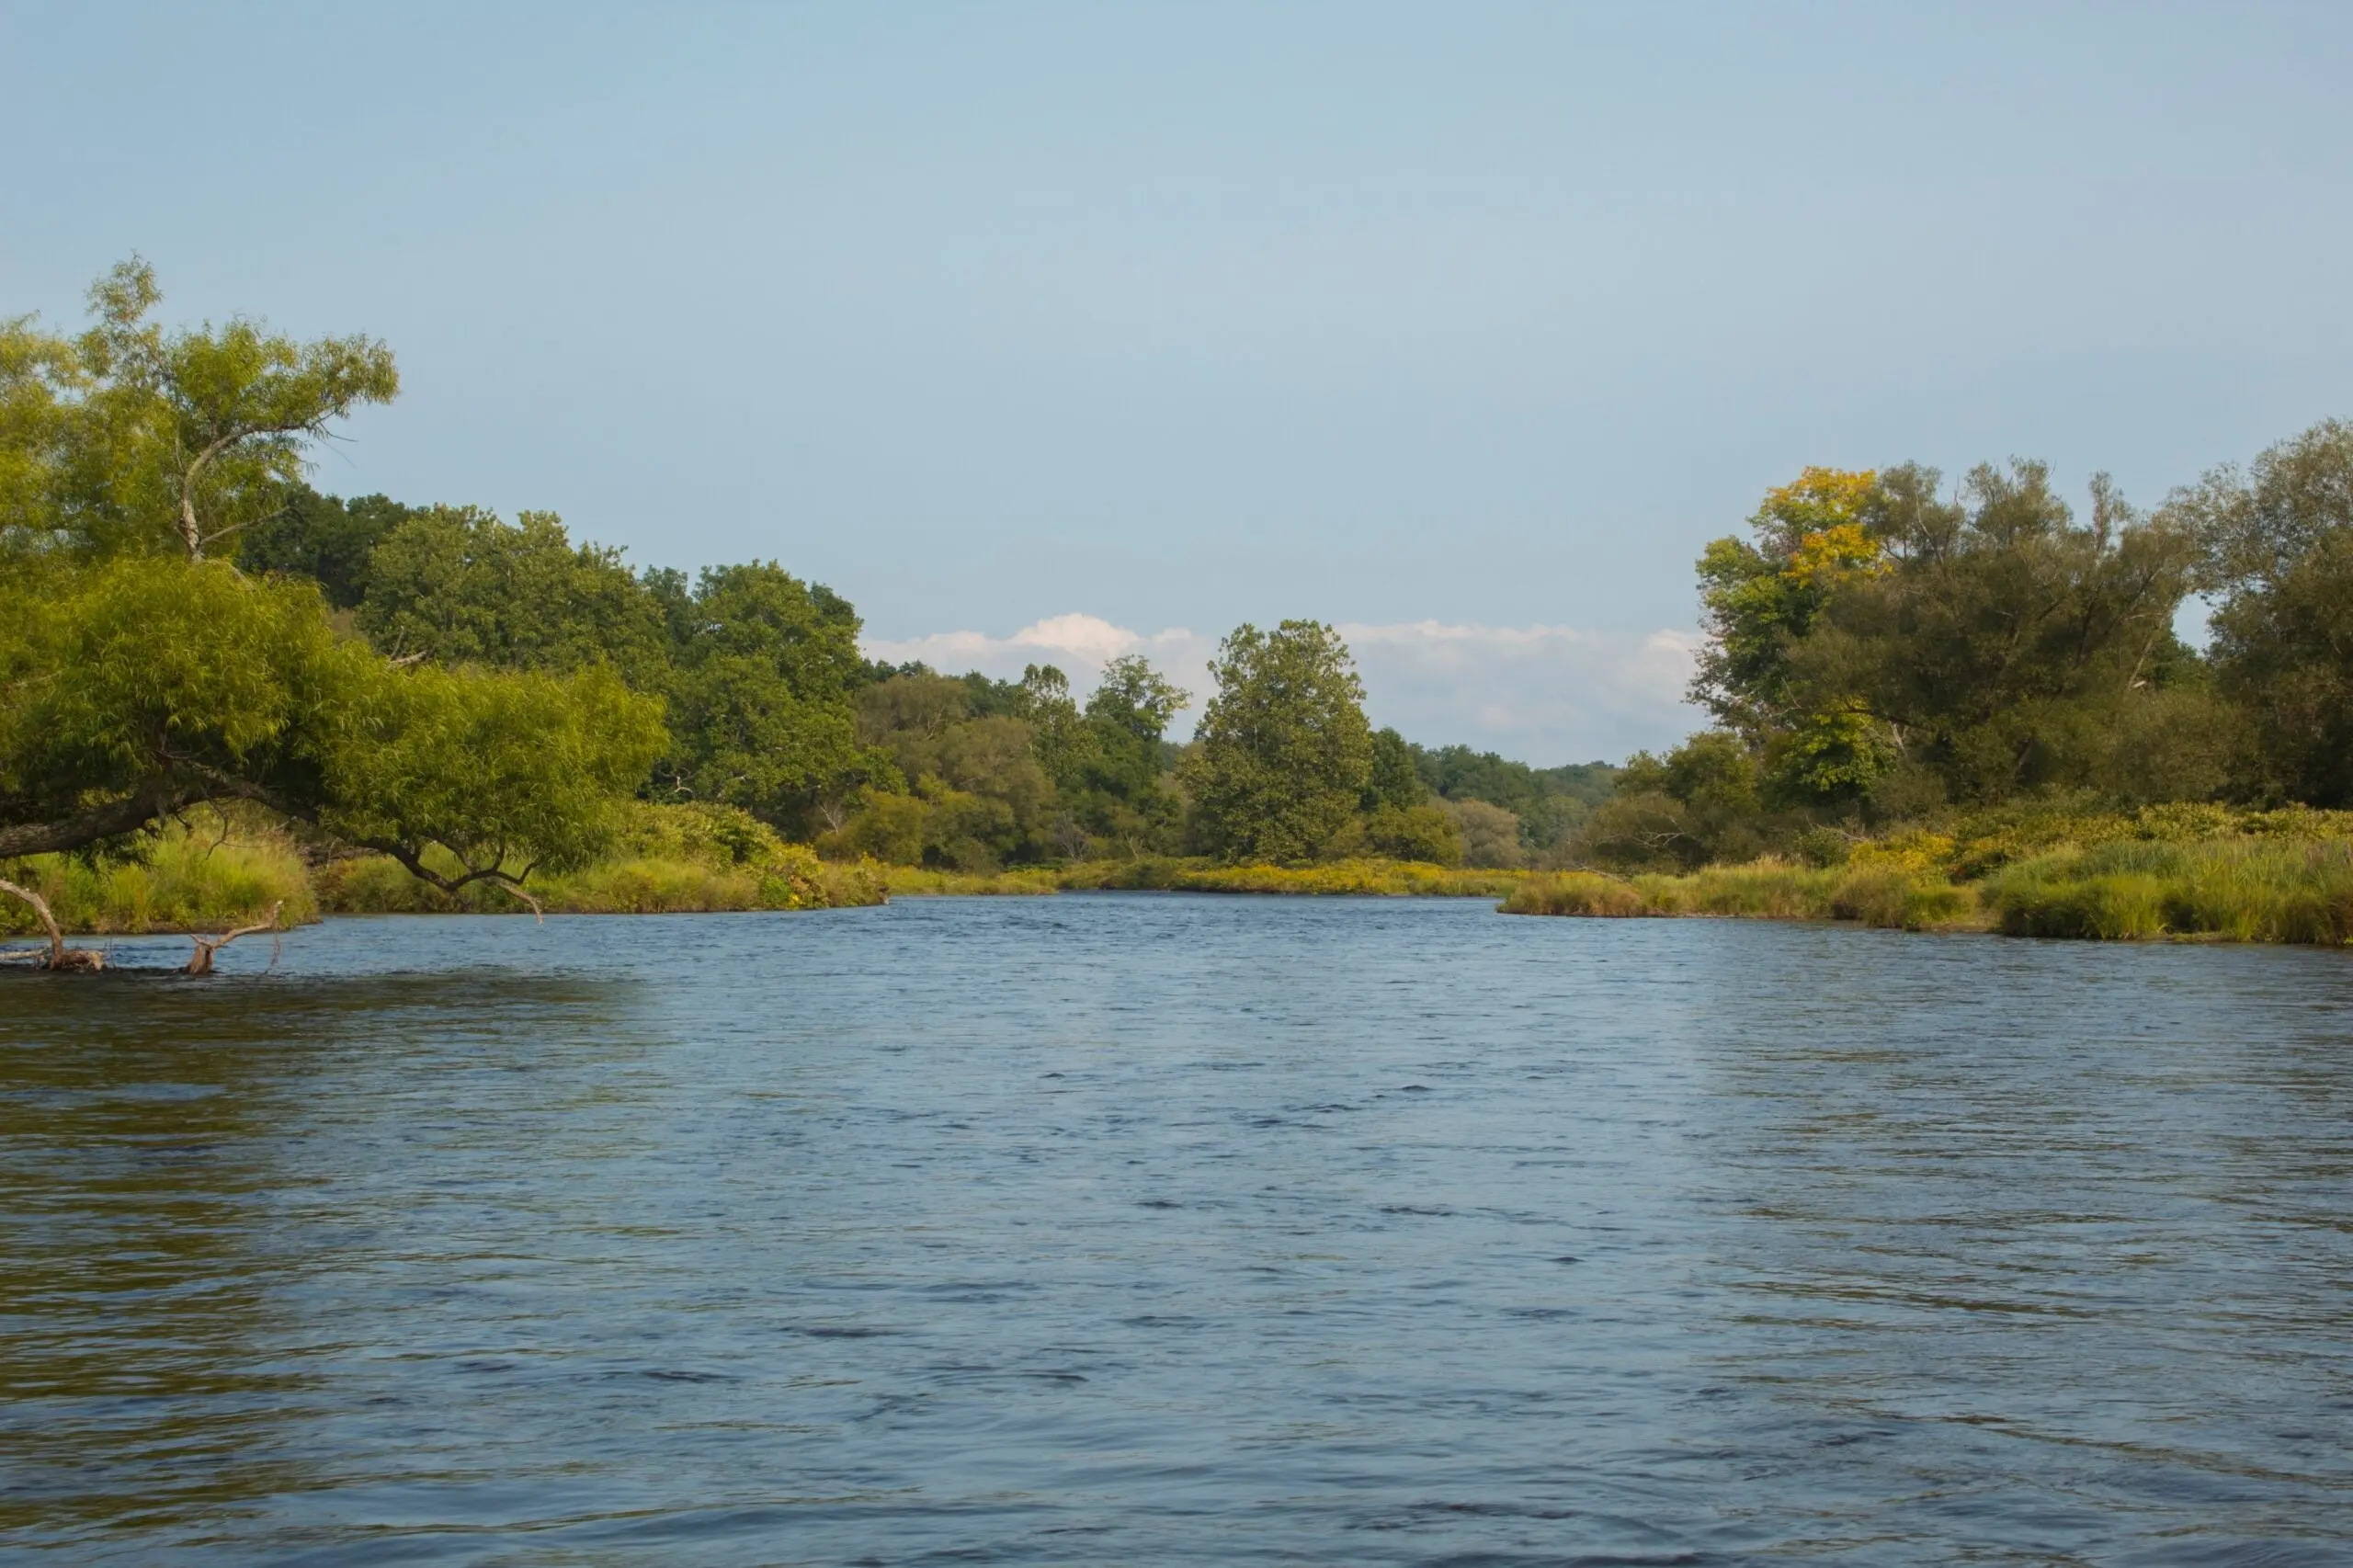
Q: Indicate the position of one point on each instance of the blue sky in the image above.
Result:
(1463, 326)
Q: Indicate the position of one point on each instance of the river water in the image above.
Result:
(1155, 1229)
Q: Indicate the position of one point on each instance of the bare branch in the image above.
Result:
(201, 961)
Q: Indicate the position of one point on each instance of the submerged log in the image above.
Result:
(60, 955)
(201, 960)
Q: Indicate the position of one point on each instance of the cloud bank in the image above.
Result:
(1544, 694)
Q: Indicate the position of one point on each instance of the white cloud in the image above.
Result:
(1544, 694)
(1079, 645)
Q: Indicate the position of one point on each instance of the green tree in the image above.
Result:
(1758, 599)
(1490, 834)
(1999, 646)
(1114, 795)
(1548, 803)
(762, 707)
(1284, 753)
(324, 538)
(468, 775)
(148, 439)
(140, 675)
(2278, 553)
(459, 586)
(1392, 781)
(1056, 736)
(138, 687)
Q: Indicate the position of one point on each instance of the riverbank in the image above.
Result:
(1355, 878)
(2179, 873)
(217, 869)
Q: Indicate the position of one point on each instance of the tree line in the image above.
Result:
(1883, 648)
(184, 619)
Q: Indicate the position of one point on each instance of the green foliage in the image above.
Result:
(1424, 833)
(142, 685)
(324, 538)
(761, 706)
(1547, 803)
(1489, 834)
(1699, 804)
(1115, 791)
(458, 585)
(2006, 640)
(757, 667)
(2279, 548)
(1395, 782)
(1880, 648)
(132, 438)
(1006, 773)
(144, 680)
(1812, 536)
(506, 772)
(1284, 753)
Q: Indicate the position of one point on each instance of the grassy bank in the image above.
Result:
(2192, 874)
(209, 873)
(1764, 890)
(218, 870)
(1398, 879)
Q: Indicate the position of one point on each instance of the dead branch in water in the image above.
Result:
(201, 960)
(60, 955)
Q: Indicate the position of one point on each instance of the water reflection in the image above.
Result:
(158, 1140)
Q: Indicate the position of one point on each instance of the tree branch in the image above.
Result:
(413, 859)
(201, 961)
(150, 800)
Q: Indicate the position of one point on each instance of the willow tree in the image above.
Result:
(137, 687)
(182, 439)
(139, 676)
(2279, 547)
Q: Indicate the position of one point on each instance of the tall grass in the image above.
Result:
(2243, 889)
(1873, 892)
(925, 881)
(208, 873)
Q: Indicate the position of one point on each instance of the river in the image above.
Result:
(1157, 1229)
